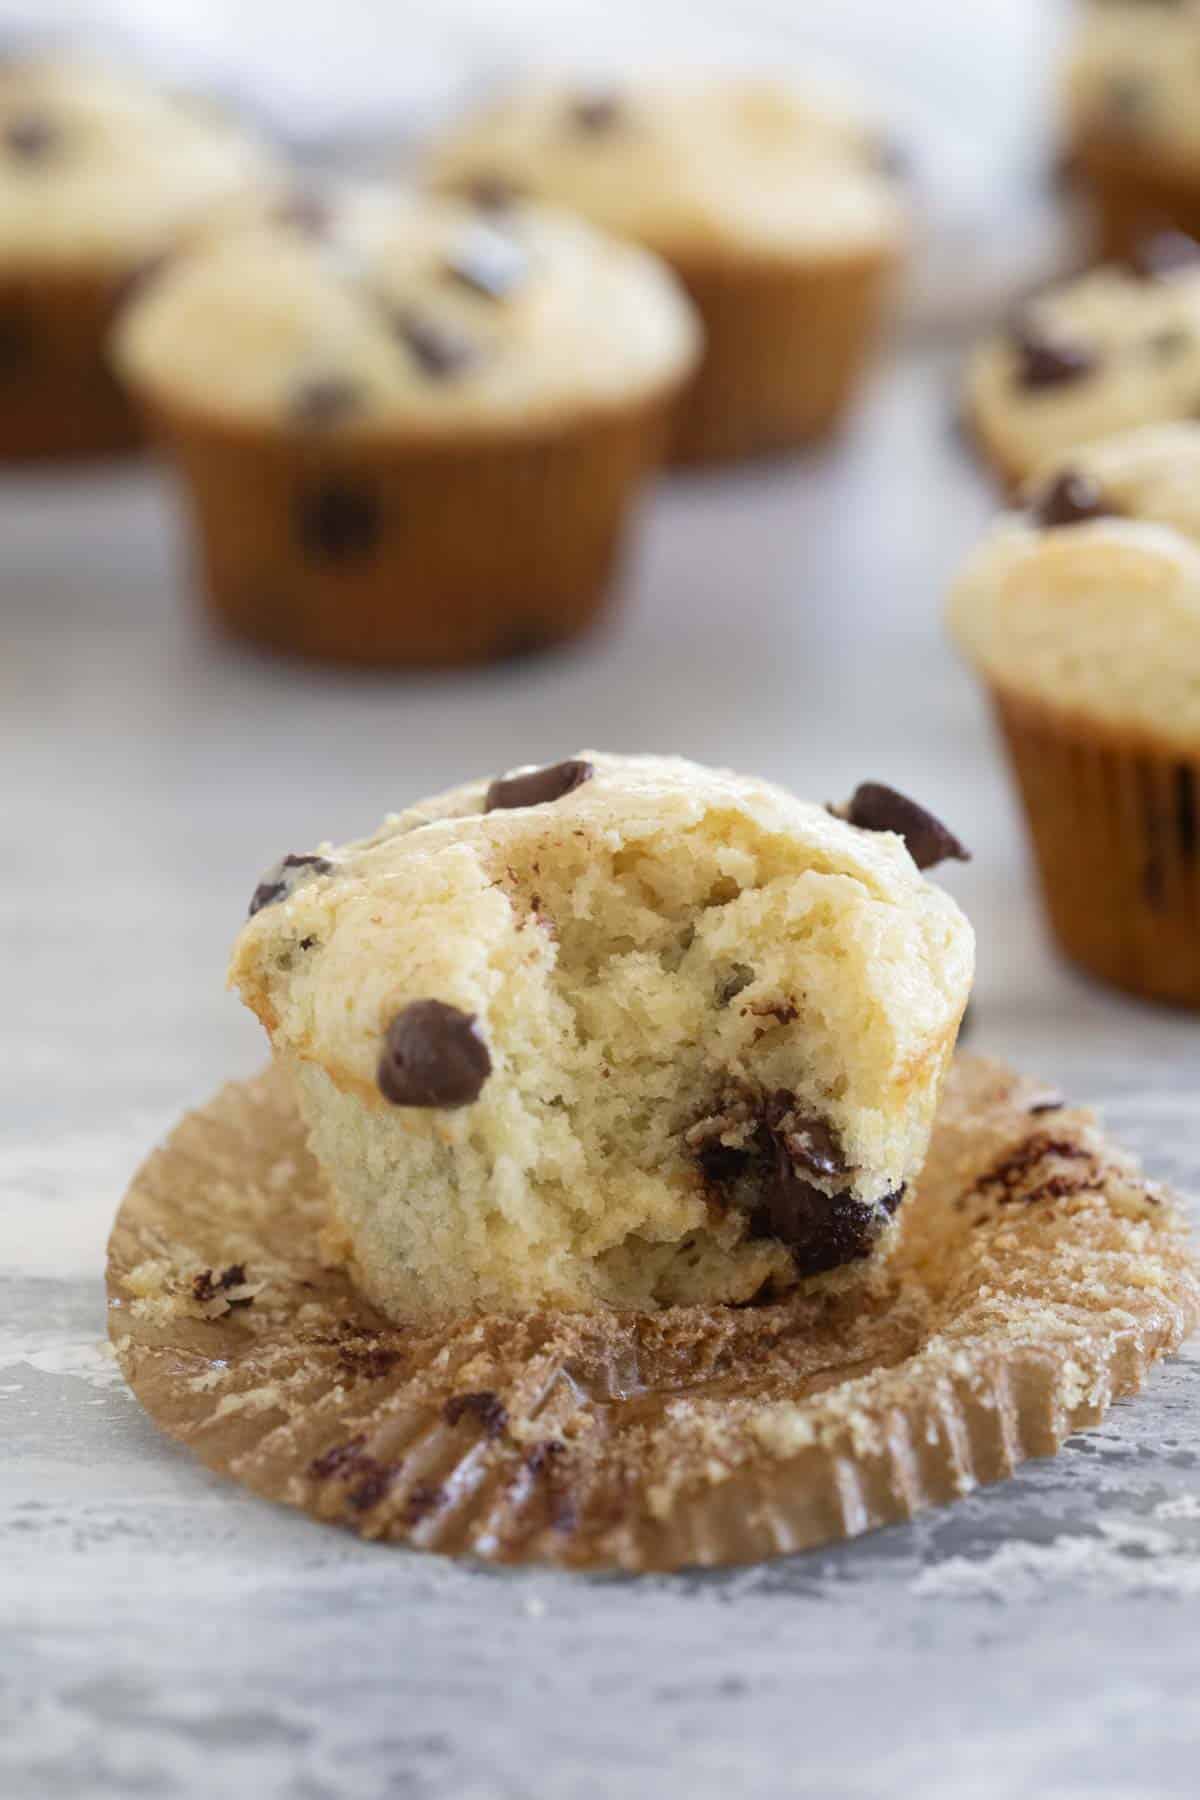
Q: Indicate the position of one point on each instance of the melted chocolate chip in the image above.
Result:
(339, 1459)
(1045, 359)
(1163, 254)
(1072, 498)
(822, 1231)
(281, 881)
(874, 807)
(438, 350)
(537, 787)
(433, 1056)
(325, 400)
(206, 1286)
(596, 112)
(486, 1408)
(773, 1173)
(489, 262)
(335, 522)
(31, 138)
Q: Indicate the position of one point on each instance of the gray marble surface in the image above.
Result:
(163, 1634)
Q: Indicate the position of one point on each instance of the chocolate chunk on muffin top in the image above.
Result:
(363, 309)
(612, 1032)
(1107, 352)
(101, 169)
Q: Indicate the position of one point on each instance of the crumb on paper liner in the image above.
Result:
(1038, 1277)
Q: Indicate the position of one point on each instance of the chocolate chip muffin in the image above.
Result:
(777, 206)
(100, 175)
(1104, 353)
(410, 433)
(1082, 616)
(1132, 107)
(616, 1032)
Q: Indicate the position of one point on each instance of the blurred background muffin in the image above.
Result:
(100, 175)
(1113, 349)
(1082, 617)
(1132, 104)
(776, 204)
(409, 430)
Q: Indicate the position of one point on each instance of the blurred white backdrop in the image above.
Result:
(966, 83)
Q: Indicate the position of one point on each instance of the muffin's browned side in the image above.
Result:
(785, 344)
(1134, 192)
(58, 394)
(376, 549)
(1115, 823)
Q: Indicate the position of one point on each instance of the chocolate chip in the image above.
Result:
(1052, 1103)
(540, 1458)
(821, 1231)
(437, 348)
(874, 807)
(491, 193)
(888, 157)
(207, 1287)
(335, 522)
(377, 1479)
(489, 262)
(537, 787)
(1170, 342)
(31, 138)
(1163, 254)
(281, 881)
(485, 1407)
(338, 1459)
(325, 400)
(433, 1056)
(1126, 101)
(423, 1498)
(1045, 359)
(739, 976)
(811, 1144)
(1072, 498)
(305, 212)
(773, 1173)
(599, 112)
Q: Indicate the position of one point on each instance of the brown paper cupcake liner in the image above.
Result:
(1134, 193)
(785, 345)
(58, 395)
(372, 550)
(1115, 825)
(1038, 1276)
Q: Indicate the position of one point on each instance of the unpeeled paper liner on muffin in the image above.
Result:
(1038, 1278)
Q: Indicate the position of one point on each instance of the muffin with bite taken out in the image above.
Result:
(618, 1032)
